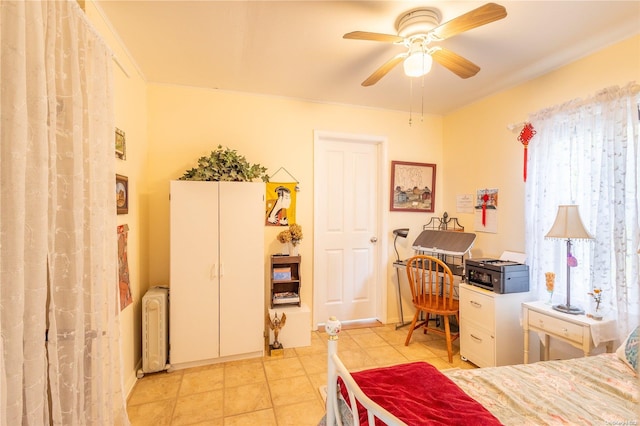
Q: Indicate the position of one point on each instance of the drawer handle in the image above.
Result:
(476, 338)
(475, 304)
(565, 330)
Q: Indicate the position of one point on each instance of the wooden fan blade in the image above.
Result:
(364, 35)
(455, 63)
(384, 69)
(477, 17)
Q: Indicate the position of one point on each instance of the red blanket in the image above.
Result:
(418, 394)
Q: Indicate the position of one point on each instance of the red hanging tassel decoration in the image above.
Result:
(485, 198)
(525, 136)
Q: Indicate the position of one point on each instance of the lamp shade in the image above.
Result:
(417, 64)
(568, 225)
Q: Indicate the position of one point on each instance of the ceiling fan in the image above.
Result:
(417, 29)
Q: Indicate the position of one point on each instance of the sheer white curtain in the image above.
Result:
(586, 152)
(59, 330)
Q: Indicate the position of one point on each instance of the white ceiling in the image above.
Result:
(295, 49)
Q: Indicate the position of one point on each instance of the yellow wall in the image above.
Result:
(480, 152)
(131, 117)
(186, 123)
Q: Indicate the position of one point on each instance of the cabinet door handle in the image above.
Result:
(212, 272)
(476, 338)
(475, 304)
(221, 274)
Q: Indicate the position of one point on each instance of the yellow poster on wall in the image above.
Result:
(281, 204)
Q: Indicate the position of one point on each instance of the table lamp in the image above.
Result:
(568, 226)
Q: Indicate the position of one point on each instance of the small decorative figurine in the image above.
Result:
(276, 324)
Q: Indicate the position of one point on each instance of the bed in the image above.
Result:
(597, 390)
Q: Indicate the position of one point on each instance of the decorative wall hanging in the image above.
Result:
(121, 145)
(413, 186)
(525, 136)
(486, 207)
(281, 203)
(122, 194)
(124, 287)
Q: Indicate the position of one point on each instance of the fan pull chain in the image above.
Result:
(422, 95)
(410, 100)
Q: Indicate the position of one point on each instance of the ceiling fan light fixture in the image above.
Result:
(417, 64)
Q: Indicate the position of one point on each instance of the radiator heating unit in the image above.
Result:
(155, 331)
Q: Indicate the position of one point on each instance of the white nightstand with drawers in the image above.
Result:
(577, 330)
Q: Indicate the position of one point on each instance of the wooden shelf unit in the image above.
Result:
(285, 279)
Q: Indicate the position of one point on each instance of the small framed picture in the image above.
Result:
(413, 186)
(121, 145)
(122, 194)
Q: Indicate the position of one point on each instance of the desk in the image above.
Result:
(577, 330)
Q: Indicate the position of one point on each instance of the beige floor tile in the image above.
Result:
(317, 380)
(199, 407)
(262, 418)
(440, 363)
(306, 413)
(369, 340)
(417, 351)
(236, 374)
(317, 346)
(393, 337)
(156, 413)
(202, 381)
(346, 343)
(214, 422)
(291, 390)
(285, 367)
(246, 398)
(385, 355)
(357, 331)
(313, 364)
(354, 359)
(439, 347)
(156, 387)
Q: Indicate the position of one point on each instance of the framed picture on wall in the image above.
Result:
(413, 186)
(122, 194)
(121, 145)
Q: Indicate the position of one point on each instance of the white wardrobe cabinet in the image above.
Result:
(216, 272)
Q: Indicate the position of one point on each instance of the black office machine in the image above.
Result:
(499, 276)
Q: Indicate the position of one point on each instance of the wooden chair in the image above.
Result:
(431, 283)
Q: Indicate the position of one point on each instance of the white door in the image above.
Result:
(241, 267)
(193, 294)
(347, 228)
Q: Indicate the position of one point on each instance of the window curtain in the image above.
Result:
(59, 332)
(585, 152)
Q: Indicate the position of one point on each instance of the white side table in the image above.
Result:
(577, 330)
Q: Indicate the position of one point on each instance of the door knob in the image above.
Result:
(374, 240)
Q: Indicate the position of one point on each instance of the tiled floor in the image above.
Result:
(275, 391)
